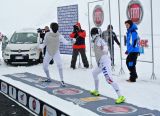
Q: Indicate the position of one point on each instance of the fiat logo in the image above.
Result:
(98, 15)
(135, 11)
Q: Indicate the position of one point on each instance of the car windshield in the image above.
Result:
(24, 38)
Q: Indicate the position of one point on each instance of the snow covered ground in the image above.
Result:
(143, 93)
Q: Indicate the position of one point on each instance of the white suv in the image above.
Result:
(22, 47)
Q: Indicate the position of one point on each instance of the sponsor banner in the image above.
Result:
(135, 11)
(67, 17)
(48, 111)
(67, 91)
(77, 101)
(84, 101)
(22, 98)
(139, 11)
(116, 109)
(91, 99)
(34, 105)
(144, 43)
(99, 14)
(12, 92)
(98, 17)
(4, 87)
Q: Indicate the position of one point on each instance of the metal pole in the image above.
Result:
(110, 13)
(119, 9)
(91, 65)
(79, 65)
(153, 74)
(110, 36)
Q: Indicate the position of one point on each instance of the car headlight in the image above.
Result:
(7, 49)
(33, 49)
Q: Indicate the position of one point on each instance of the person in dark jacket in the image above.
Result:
(109, 36)
(78, 35)
(133, 50)
(46, 29)
(42, 35)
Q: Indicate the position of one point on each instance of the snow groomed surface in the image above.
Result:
(101, 105)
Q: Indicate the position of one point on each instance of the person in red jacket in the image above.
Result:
(78, 35)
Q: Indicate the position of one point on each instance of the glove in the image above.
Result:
(126, 52)
(76, 35)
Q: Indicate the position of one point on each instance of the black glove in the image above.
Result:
(76, 35)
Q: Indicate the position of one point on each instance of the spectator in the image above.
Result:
(4, 43)
(109, 36)
(46, 29)
(132, 49)
(42, 35)
(79, 46)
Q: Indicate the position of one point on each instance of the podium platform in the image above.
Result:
(72, 100)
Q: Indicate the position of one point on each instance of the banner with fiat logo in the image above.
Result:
(98, 16)
(135, 11)
(139, 11)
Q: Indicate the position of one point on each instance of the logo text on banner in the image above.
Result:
(135, 11)
(67, 17)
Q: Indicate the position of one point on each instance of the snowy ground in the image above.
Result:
(144, 93)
